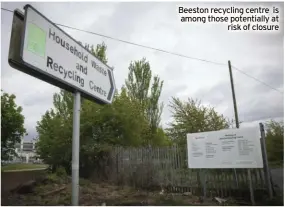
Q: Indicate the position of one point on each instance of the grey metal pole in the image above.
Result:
(237, 126)
(233, 94)
(265, 161)
(235, 108)
(75, 148)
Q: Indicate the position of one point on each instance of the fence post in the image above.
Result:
(236, 179)
(204, 184)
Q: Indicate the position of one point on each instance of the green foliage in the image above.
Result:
(101, 126)
(53, 178)
(55, 128)
(191, 117)
(12, 125)
(100, 52)
(154, 110)
(59, 177)
(54, 143)
(275, 141)
(160, 138)
(138, 82)
(138, 88)
(119, 123)
(60, 172)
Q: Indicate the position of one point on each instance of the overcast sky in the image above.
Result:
(158, 25)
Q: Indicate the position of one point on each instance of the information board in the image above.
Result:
(230, 148)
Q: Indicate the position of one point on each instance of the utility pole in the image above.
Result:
(237, 126)
(235, 108)
(234, 95)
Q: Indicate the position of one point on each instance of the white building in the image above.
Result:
(26, 152)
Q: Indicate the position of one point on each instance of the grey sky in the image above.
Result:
(158, 25)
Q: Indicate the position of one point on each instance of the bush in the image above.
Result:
(61, 172)
(53, 178)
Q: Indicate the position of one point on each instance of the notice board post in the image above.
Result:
(265, 161)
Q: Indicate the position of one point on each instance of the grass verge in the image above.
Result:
(22, 166)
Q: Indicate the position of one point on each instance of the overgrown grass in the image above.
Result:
(22, 166)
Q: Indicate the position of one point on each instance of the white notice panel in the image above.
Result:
(231, 148)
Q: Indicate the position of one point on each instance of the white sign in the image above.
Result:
(49, 50)
(231, 148)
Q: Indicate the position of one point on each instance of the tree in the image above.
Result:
(12, 125)
(101, 126)
(275, 141)
(138, 88)
(55, 127)
(100, 52)
(190, 117)
(154, 110)
(54, 141)
(160, 138)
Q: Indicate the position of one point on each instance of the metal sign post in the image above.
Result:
(75, 148)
